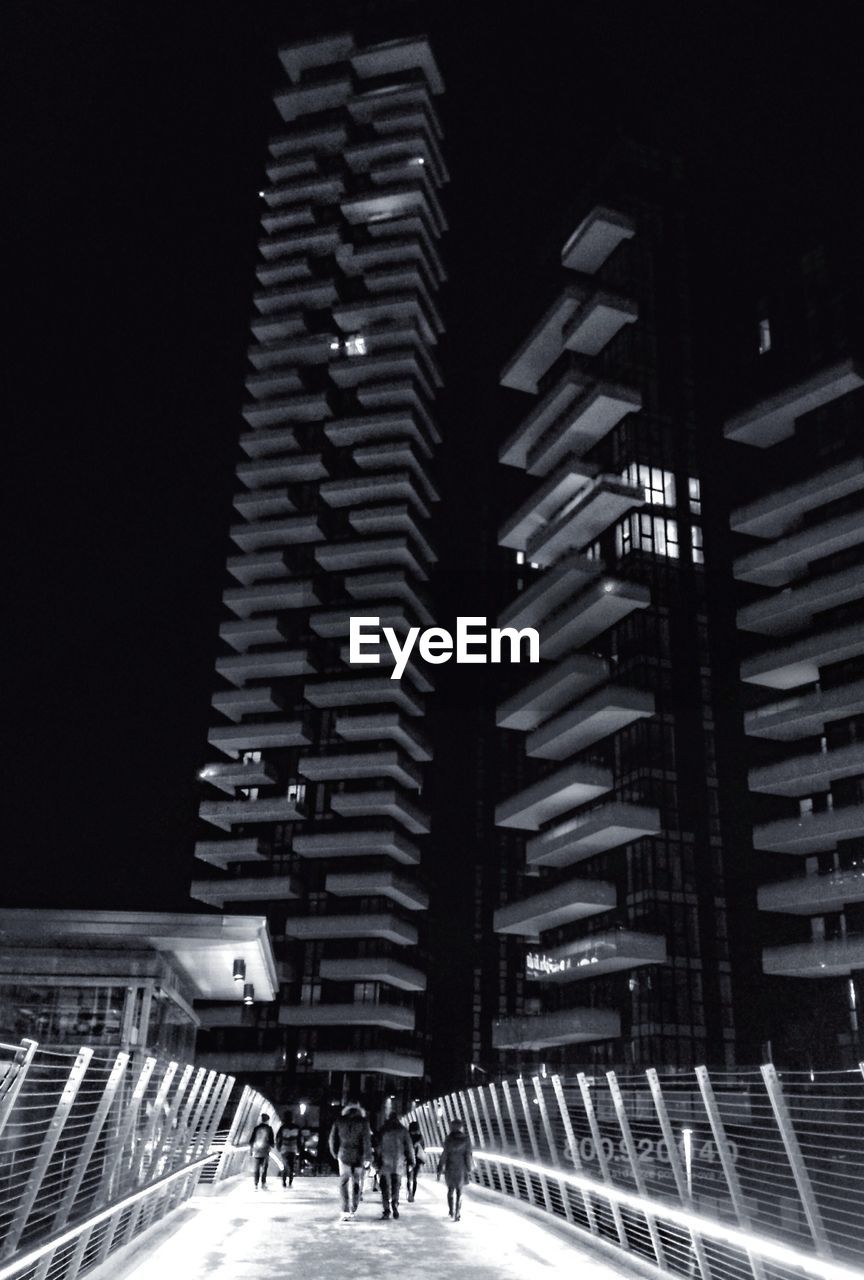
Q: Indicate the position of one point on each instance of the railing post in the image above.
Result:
(46, 1150)
(532, 1139)
(633, 1158)
(225, 1163)
(796, 1160)
(675, 1164)
(597, 1139)
(554, 1155)
(473, 1094)
(496, 1107)
(148, 1138)
(183, 1120)
(587, 1204)
(729, 1171)
(517, 1139)
(14, 1079)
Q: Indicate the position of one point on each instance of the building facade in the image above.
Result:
(314, 807)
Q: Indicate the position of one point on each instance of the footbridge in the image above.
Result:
(136, 1168)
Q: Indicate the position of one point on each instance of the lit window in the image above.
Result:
(335, 344)
(520, 557)
(416, 160)
(696, 545)
(657, 484)
(694, 486)
(805, 805)
(249, 793)
(251, 757)
(296, 792)
(355, 345)
(643, 532)
(593, 552)
(764, 336)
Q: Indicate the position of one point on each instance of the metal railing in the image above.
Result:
(96, 1147)
(725, 1176)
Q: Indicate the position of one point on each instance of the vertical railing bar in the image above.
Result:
(183, 1121)
(678, 1172)
(15, 1076)
(147, 1144)
(633, 1159)
(554, 1155)
(517, 1139)
(597, 1138)
(729, 1172)
(496, 1108)
(795, 1157)
(532, 1139)
(482, 1143)
(124, 1129)
(46, 1150)
(473, 1136)
(587, 1203)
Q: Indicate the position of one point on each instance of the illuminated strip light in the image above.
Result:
(764, 1246)
(57, 1242)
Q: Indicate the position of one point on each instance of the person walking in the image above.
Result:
(395, 1157)
(288, 1146)
(261, 1143)
(419, 1158)
(456, 1162)
(351, 1147)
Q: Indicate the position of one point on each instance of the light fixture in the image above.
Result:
(240, 970)
(302, 1108)
(248, 993)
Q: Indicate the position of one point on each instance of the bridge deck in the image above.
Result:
(238, 1234)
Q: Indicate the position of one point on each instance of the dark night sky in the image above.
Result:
(136, 138)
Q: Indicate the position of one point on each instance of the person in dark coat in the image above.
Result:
(395, 1157)
(456, 1162)
(419, 1157)
(351, 1147)
(288, 1146)
(261, 1142)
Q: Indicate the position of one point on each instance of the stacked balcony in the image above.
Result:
(323, 763)
(567, 807)
(803, 574)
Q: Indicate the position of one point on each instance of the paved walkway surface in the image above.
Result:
(240, 1234)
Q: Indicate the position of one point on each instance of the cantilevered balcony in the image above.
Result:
(395, 1017)
(596, 237)
(580, 427)
(603, 712)
(309, 55)
(336, 623)
(597, 609)
(220, 853)
(240, 636)
(232, 739)
(599, 953)
(382, 924)
(566, 485)
(552, 407)
(239, 773)
(304, 188)
(293, 593)
(799, 663)
(794, 608)
(395, 973)
(395, 57)
(311, 240)
(566, 1026)
(779, 512)
(398, 200)
(309, 99)
(549, 591)
(265, 504)
(814, 895)
(245, 889)
(807, 774)
(581, 521)
(378, 884)
(811, 832)
(773, 418)
(805, 715)
(402, 424)
(389, 486)
(570, 678)
(788, 558)
(392, 518)
(370, 1061)
(231, 813)
(607, 827)
(348, 765)
(258, 566)
(277, 664)
(370, 553)
(389, 803)
(383, 842)
(834, 958)
(551, 908)
(257, 535)
(295, 468)
(254, 700)
(243, 1062)
(565, 789)
(377, 726)
(544, 344)
(600, 317)
(308, 407)
(395, 455)
(387, 584)
(397, 363)
(365, 690)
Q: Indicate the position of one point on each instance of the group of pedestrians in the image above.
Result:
(286, 1142)
(396, 1151)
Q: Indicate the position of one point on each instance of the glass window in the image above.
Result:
(696, 544)
(641, 531)
(764, 336)
(658, 485)
(694, 488)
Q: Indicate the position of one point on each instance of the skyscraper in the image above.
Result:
(316, 783)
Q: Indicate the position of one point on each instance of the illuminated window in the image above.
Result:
(593, 552)
(694, 486)
(249, 793)
(696, 545)
(657, 484)
(355, 345)
(520, 557)
(764, 336)
(296, 792)
(655, 535)
(251, 757)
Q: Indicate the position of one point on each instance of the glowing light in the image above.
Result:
(248, 993)
(239, 970)
(302, 1108)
